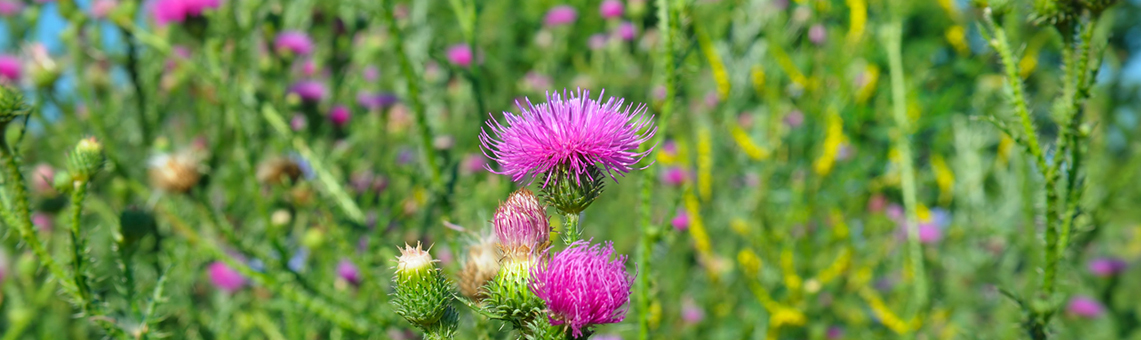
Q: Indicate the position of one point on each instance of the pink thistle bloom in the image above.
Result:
(349, 272)
(42, 178)
(100, 8)
(294, 42)
(691, 313)
(583, 286)
(626, 31)
(10, 7)
(474, 163)
(371, 73)
(42, 221)
(1085, 307)
(929, 233)
(1106, 267)
(225, 278)
(166, 11)
(597, 41)
(298, 122)
(572, 132)
(309, 90)
(560, 15)
(339, 115)
(794, 119)
(459, 55)
(817, 33)
(611, 9)
(521, 224)
(680, 221)
(674, 176)
(10, 68)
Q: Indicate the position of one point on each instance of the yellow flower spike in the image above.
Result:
(1134, 247)
(740, 227)
(715, 62)
(868, 88)
(1004, 146)
(792, 281)
(1028, 63)
(700, 236)
(665, 158)
(785, 316)
(949, 8)
(704, 163)
(837, 268)
(957, 36)
(746, 144)
(922, 213)
(944, 178)
(886, 316)
(833, 137)
(655, 318)
(789, 67)
(857, 20)
(763, 296)
(750, 263)
(758, 73)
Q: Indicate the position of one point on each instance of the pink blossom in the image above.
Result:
(339, 116)
(560, 15)
(611, 9)
(225, 278)
(1085, 307)
(295, 42)
(583, 285)
(460, 55)
(10, 68)
(626, 31)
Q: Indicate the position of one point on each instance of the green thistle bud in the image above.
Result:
(1097, 6)
(1054, 12)
(134, 224)
(571, 193)
(423, 296)
(11, 106)
(508, 295)
(86, 159)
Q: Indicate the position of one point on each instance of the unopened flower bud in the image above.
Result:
(86, 159)
(423, 295)
(521, 225)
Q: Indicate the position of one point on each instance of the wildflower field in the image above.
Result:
(539, 169)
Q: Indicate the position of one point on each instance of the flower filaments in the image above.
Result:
(422, 294)
(583, 286)
(481, 265)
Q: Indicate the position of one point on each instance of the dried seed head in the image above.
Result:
(176, 173)
(481, 265)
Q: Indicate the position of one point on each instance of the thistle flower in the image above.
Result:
(10, 7)
(298, 122)
(460, 55)
(10, 68)
(166, 11)
(817, 33)
(691, 313)
(295, 42)
(674, 176)
(481, 265)
(339, 116)
(101, 8)
(175, 173)
(521, 225)
(1085, 307)
(42, 221)
(308, 90)
(375, 101)
(560, 15)
(225, 278)
(349, 272)
(572, 140)
(1106, 267)
(626, 31)
(583, 286)
(611, 9)
(680, 221)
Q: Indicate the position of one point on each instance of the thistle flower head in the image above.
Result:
(308, 90)
(349, 272)
(10, 7)
(10, 68)
(583, 285)
(375, 101)
(1085, 307)
(1106, 266)
(460, 55)
(175, 173)
(413, 260)
(521, 225)
(571, 132)
(611, 9)
(225, 278)
(560, 15)
(295, 42)
(166, 11)
(339, 116)
(626, 31)
(481, 265)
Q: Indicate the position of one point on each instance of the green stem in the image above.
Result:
(79, 246)
(1073, 136)
(650, 233)
(571, 232)
(413, 83)
(140, 97)
(893, 39)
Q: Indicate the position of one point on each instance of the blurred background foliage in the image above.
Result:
(777, 191)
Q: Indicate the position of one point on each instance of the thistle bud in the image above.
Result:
(1097, 6)
(175, 173)
(481, 265)
(521, 225)
(423, 295)
(86, 159)
(1054, 12)
(134, 224)
(572, 193)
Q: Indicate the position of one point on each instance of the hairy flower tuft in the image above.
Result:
(583, 286)
(569, 131)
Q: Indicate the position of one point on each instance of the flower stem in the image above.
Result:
(892, 35)
(571, 232)
(78, 245)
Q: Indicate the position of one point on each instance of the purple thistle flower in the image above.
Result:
(597, 41)
(583, 286)
(459, 55)
(691, 313)
(626, 31)
(166, 11)
(817, 33)
(571, 132)
(680, 221)
(611, 9)
(375, 101)
(1106, 266)
(371, 73)
(560, 15)
(674, 176)
(1085, 307)
(295, 42)
(298, 122)
(225, 278)
(339, 115)
(10, 7)
(10, 68)
(309, 90)
(349, 272)
(521, 224)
